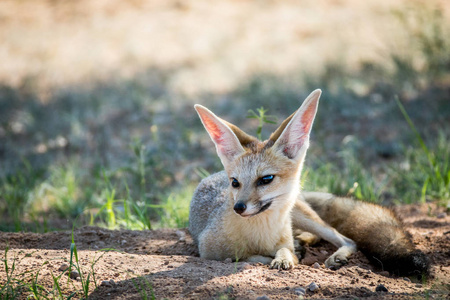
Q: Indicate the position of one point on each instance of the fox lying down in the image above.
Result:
(250, 210)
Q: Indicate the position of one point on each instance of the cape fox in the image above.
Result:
(250, 210)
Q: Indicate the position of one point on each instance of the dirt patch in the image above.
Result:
(165, 263)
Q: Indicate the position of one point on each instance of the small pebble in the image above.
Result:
(228, 260)
(406, 279)
(441, 215)
(381, 288)
(384, 273)
(263, 298)
(112, 282)
(181, 235)
(106, 283)
(146, 270)
(63, 267)
(313, 286)
(131, 271)
(74, 274)
(299, 291)
(316, 265)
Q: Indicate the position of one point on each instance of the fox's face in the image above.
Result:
(261, 174)
(260, 181)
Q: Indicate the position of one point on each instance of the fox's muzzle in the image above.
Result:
(240, 207)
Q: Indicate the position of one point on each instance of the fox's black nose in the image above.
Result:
(240, 207)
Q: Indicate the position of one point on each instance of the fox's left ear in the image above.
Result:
(293, 141)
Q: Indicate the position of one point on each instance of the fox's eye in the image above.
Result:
(234, 183)
(265, 180)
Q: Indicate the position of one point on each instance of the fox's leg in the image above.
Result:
(283, 256)
(305, 237)
(213, 245)
(305, 218)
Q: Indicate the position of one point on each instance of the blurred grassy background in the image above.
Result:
(96, 118)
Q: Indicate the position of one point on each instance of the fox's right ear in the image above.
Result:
(227, 144)
(292, 137)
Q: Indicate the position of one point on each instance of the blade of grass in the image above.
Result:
(416, 132)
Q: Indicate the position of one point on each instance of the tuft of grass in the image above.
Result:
(174, 210)
(425, 174)
(262, 118)
(87, 277)
(11, 288)
(61, 192)
(435, 168)
(18, 286)
(108, 208)
(37, 291)
(144, 287)
(15, 190)
(74, 262)
(347, 178)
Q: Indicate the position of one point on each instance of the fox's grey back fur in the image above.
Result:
(207, 202)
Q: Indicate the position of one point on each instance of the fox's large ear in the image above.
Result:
(292, 137)
(227, 144)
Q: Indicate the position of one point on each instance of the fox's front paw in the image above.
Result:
(281, 264)
(306, 238)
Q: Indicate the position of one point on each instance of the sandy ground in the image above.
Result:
(165, 262)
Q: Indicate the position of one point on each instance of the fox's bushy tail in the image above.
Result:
(375, 230)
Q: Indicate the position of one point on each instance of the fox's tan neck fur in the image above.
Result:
(263, 233)
(260, 234)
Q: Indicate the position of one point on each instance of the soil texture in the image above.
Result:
(164, 263)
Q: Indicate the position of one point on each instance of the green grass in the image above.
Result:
(140, 194)
(424, 175)
(262, 118)
(134, 197)
(144, 287)
(350, 179)
(11, 288)
(27, 284)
